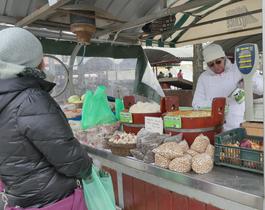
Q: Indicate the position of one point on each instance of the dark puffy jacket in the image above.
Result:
(40, 160)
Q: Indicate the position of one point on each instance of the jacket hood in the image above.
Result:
(11, 88)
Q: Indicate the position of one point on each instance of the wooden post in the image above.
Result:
(41, 12)
(197, 64)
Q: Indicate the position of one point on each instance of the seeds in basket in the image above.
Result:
(123, 138)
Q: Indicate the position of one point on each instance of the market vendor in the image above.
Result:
(220, 80)
(40, 160)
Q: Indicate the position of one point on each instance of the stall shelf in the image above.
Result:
(145, 186)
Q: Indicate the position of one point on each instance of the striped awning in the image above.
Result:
(214, 21)
(158, 56)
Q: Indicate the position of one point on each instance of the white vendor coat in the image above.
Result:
(211, 85)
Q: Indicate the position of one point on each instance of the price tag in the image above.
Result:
(172, 121)
(126, 117)
(154, 124)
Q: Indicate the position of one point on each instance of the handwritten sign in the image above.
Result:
(154, 124)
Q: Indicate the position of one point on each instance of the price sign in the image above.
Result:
(154, 124)
(126, 117)
(172, 121)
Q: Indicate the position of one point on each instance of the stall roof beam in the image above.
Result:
(163, 4)
(163, 13)
(42, 12)
(65, 36)
(8, 20)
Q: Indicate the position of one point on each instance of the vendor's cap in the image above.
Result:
(213, 52)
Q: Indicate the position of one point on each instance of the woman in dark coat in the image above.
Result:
(40, 160)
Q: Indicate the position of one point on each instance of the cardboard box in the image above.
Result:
(253, 128)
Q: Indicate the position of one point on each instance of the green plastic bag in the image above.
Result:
(106, 181)
(98, 191)
(86, 104)
(119, 106)
(97, 110)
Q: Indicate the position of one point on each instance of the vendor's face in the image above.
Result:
(217, 66)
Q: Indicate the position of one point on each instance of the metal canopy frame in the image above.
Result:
(42, 12)
(38, 18)
(162, 13)
(121, 29)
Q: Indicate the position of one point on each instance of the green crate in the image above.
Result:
(238, 157)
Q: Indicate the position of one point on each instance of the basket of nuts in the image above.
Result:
(121, 143)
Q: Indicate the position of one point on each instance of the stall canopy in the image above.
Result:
(158, 56)
(163, 23)
(230, 44)
(152, 22)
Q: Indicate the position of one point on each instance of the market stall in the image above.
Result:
(141, 183)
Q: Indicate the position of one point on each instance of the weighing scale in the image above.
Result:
(247, 59)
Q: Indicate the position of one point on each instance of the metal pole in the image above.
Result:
(71, 68)
(197, 64)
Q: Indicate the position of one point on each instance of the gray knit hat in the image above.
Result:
(18, 49)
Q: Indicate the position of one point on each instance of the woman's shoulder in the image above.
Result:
(37, 101)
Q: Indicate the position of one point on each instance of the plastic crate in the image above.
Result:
(238, 157)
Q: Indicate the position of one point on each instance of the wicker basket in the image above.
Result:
(121, 149)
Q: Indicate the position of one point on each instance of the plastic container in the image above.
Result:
(237, 157)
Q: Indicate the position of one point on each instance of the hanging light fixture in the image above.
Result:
(84, 26)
